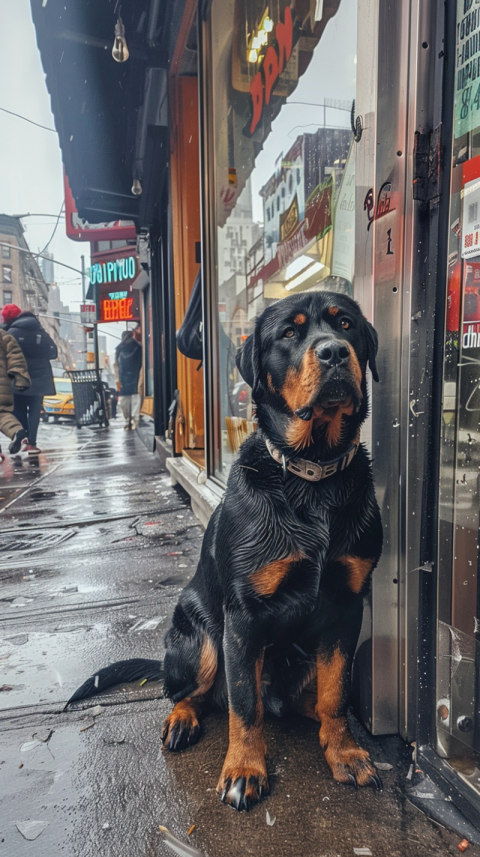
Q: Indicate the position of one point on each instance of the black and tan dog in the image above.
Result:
(271, 619)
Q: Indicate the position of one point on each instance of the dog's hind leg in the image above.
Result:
(191, 667)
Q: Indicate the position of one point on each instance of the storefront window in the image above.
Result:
(458, 692)
(283, 80)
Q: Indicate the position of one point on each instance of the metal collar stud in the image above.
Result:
(310, 470)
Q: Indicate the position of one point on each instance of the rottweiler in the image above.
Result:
(271, 619)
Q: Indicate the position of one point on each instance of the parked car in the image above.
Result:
(61, 404)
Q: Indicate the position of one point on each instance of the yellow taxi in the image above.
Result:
(61, 404)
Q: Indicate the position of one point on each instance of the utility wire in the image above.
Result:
(4, 110)
(53, 233)
(39, 256)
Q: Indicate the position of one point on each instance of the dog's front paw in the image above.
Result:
(241, 787)
(181, 728)
(352, 764)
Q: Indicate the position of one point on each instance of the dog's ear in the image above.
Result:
(249, 363)
(371, 338)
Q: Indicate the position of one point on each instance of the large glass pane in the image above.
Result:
(283, 80)
(458, 701)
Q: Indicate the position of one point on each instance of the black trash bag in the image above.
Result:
(190, 334)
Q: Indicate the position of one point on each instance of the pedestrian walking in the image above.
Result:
(128, 362)
(38, 349)
(13, 374)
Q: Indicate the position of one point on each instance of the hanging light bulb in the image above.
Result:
(120, 51)
(136, 187)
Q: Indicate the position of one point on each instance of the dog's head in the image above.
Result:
(305, 363)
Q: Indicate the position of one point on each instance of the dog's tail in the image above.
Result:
(136, 669)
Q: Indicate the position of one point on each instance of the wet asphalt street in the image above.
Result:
(96, 546)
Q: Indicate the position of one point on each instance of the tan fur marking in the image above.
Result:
(186, 712)
(355, 368)
(301, 386)
(299, 433)
(208, 667)
(342, 753)
(270, 383)
(246, 747)
(266, 580)
(334, 430)
(298, 390)
(333, 310)
(300, 318)
(358, 570)
(329, 683)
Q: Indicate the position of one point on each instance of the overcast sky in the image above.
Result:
(31, 174)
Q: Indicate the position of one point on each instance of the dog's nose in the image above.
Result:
(333, 353)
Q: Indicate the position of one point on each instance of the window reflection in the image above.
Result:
(283, 82)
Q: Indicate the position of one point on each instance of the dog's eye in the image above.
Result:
(344, 322)
(289, 332)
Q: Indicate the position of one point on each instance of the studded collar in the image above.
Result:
(310, 470)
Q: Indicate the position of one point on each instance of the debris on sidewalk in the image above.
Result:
(31, 829)
(177, 845)
(43, 735)
(362, 852)
(148, 624)
(463, 845)
(270, 821)
(383, 766)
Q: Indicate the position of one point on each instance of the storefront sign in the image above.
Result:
(88, 313)
(276, 57)
(289, 220)
(471, 335)
(117, 309)
(113, 271)
(471, 219)
(112, 275)
(467, 67)
(383, 206)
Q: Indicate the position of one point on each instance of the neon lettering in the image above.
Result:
(273, 65)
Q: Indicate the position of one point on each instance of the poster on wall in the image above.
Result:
(470, 226)
(467, 67)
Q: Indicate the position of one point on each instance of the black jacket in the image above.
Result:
(38, 349)
(128, 357)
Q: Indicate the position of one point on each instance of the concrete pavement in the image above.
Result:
(96, 546)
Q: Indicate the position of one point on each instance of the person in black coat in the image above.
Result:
(128, 362)
(38, 349)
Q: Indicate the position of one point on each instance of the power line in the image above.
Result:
(4, 110)
(53, 233)
(39, 256)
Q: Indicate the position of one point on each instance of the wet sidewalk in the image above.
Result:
(96, 546)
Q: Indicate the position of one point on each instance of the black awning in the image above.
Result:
(97, 103)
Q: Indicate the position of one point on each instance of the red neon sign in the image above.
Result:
(272, 67)
(119, 309)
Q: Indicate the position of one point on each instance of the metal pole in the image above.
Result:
(83, 301)
(95, 331)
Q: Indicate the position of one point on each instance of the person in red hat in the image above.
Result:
(38, 349)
